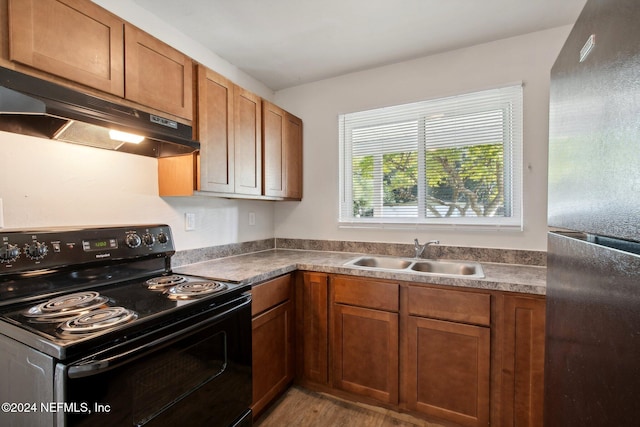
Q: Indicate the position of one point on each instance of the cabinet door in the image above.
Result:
(273, 119)
(365, 352)
(272, 354)
(448, 370)
(215, 131)
(73, 39)
(248, 142)
(315, 338)
(523, 361)
(282, 148)
(157, 75)
(293, 157)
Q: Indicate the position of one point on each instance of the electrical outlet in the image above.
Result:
(189, 221)
(252, 218)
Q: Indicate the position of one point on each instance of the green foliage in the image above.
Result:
(459, 180)
(468, 178)
(362, 186)
(400, 178)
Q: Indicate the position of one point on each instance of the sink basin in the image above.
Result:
(457, 268)
(433, 267)
(382, 262)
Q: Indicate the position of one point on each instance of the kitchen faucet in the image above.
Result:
(419, 249)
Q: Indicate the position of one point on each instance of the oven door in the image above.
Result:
(196, 374)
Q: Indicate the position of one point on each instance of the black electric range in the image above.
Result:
(95, 285)
(102, 299)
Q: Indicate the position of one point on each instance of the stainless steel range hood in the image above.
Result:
(32, 106)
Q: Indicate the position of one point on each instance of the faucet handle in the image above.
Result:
(419, 249)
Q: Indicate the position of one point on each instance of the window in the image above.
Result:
(448, 161)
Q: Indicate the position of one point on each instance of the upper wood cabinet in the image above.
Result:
(178, 175)
(83, 43)
(229, 128)
(73, 39)
(247, 142)
(293, 157)
(249, 148)
(215, 131)
(157, 75)
(282, 145)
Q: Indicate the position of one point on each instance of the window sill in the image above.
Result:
(377, 225)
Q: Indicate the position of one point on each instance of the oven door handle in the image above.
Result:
(91, 367)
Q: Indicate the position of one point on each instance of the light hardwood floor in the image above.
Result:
(301, 407)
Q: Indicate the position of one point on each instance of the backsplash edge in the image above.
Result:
(504, 256)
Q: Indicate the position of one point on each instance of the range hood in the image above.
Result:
(36, 107)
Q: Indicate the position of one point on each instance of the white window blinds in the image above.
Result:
(454, 160)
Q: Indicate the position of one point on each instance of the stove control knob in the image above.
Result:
(36, 250)
(148, 239)
(9, 253)
(133, 240)
(163, 238)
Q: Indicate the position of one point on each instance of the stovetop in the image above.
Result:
(106, 291)
(150, 309)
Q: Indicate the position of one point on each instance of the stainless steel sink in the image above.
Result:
(468, 269)
(382, 262)
(458, 268)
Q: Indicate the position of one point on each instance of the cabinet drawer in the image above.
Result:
(450, 305)
(270, 294)
(366, 293)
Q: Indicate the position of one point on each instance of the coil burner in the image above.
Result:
(163, 282)
(185, 291)
(66, 307)
(97, 321)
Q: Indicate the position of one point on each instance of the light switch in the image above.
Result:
(189, 221)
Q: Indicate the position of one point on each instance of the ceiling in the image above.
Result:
(284, 43)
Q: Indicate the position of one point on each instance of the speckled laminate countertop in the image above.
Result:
(260, 266)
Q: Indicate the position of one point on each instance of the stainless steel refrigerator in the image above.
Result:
(592, 346)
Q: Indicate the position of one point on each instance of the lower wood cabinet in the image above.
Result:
(314, 328)
(448, 367)
(447, 355)
(460, 356)
(365, 337)
(365, 352)
(272, 340)
(522, 361)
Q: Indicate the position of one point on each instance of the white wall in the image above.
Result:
(47, 183)
(526, 58)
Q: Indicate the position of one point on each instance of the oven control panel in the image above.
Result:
(51, 248)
